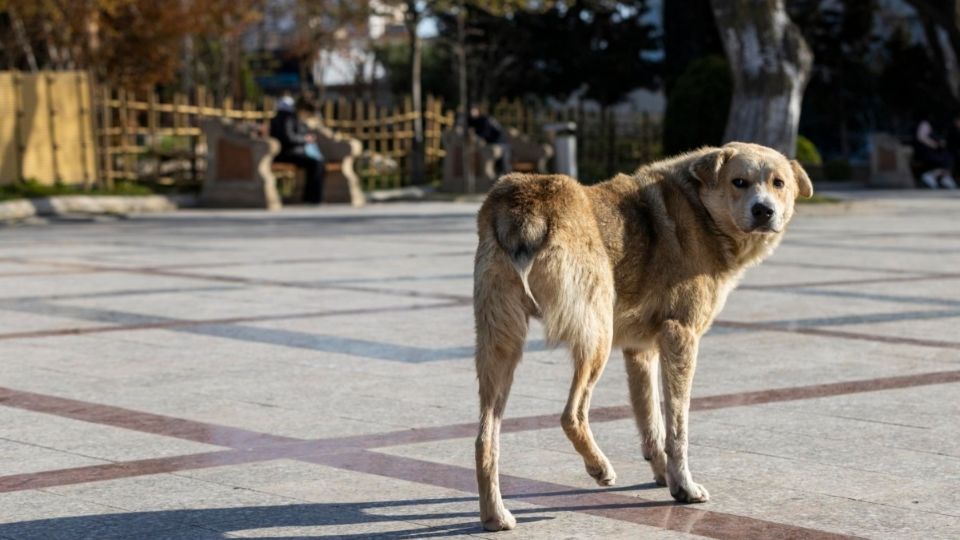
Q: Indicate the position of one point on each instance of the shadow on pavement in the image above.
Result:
(214, 523)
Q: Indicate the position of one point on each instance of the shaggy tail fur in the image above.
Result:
(521, 235)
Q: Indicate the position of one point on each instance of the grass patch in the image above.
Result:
(32, 189)
(820, 199)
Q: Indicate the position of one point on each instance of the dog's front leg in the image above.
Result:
(642, 372)
(678, 361)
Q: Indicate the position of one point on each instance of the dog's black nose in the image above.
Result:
(761, 213)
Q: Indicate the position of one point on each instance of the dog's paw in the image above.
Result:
(690, 493)
(660, 479)
(658, 464)
(501, 521)
(604, 474)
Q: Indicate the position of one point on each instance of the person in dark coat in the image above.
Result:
(953, 142)
(298, 145)
(932, 156)
(488, 129)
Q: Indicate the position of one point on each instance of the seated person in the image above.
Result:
(932, 156)
(298, 145)
(488, 129)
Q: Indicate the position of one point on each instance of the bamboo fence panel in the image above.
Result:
(131, 127)
(135, 129)
(47, 133)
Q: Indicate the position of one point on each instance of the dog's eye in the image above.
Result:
(778, 183)
(740, 183)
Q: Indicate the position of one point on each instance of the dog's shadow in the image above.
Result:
(398, 519)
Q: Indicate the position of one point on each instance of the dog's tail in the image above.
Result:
(521, 234)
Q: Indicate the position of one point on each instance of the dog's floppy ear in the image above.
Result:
(803, 181)
(706, 168)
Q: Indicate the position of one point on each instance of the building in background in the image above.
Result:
(296, 49)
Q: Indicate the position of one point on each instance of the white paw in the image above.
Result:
(604, 474)
(500, 521)
(690, 492)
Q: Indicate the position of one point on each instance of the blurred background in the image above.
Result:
(109, 94)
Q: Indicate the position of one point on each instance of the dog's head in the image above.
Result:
(749, 189)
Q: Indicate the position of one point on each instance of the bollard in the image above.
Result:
(564, 137)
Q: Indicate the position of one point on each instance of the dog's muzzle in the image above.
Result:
(763, 218)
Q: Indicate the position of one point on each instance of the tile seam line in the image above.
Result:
(546, 489)
(839, 334)
(601, 414)
(180, 323)
(147, 271)
(448, 302)
(143, 270)
(292, 448)
(541, 490)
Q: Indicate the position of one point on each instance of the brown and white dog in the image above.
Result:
(642, 262)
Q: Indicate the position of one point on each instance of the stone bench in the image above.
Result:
(525, 156)
(241, 172)
(238, 171)
(890, 162)
(528, 156)
(482, 158)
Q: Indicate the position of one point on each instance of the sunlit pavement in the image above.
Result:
(308, 373)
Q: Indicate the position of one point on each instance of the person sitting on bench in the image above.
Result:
(298, 145)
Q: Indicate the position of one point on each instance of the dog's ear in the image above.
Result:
(803, 181)
(706, 168)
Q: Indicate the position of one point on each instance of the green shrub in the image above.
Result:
(837, 170)
(31, 189)
(807, 152)
(698, 105)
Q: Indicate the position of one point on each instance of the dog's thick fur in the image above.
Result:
(642, 262)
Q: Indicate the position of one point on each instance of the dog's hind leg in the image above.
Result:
(645, 396)
(501, 330)
(589, 361)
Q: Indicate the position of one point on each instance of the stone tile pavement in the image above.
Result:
(308, 374)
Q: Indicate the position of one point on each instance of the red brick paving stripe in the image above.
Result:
(172, 272)
(813, 331)
(296, 450)
(313, 260)
(126, 469)
(853, 267)
(349, 453)
(181, 323)
(623, 412)
(223, 278)
(47, 273)
(156, 424)
(293, 448)
(561, 498)
(856, 281)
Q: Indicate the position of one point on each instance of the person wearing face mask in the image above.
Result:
(298, 145)
(931, 154)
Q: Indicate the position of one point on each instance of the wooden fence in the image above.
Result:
(46, 129)
(388, 132)
(153, 138)
(608, 141)
(66, 129)
(143, 137)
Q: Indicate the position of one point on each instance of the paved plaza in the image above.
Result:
(309, 374)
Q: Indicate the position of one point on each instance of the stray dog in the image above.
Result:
(642, 262)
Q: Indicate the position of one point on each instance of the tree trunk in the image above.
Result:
(416, 152)
(941, 30)
(468, 175)
(770, 63)
(23, 42)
